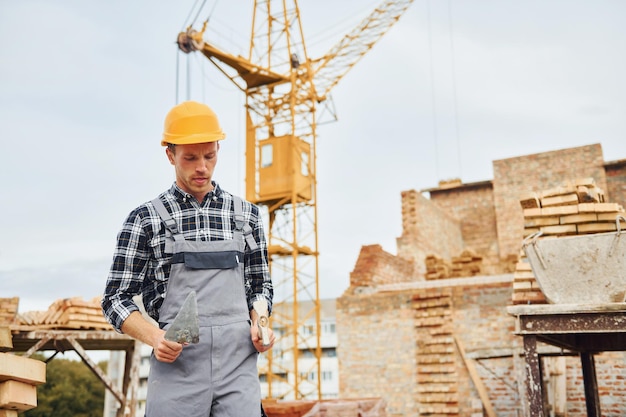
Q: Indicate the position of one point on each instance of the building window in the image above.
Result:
(307, 353)
(307, 329)
(307, 376)
(328, 328)
(329, 352)
(304, 166)
(267, 155)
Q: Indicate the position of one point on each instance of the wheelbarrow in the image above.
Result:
(581, 269)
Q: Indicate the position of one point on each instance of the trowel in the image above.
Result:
(260, 306)
(185, 328)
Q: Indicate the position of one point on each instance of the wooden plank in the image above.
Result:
(560, 200)
(610, 216)
(97, 370)
(90, 311)
(579, 218)
(564, 229)
(596, 227)
(16, 395)
(478, 383)
(587, 194)
(542, 221)
(22, 369)
(532, 212)
(608, 207)
(69, 316)
(599, 207)
(8, 309)
(523, 275)
(8, 413)
(530, 200)
(54, 312)
(526, 297)
(78, 324)
(6, 339)
(522, 285)
(560, 210)
(561, 190)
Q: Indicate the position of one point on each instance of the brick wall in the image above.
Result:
(616, 181)
(611, 375)
(515, 176)
(472, 205)
(375, 266)
(377, 350)
(379, 341)
(427, 229)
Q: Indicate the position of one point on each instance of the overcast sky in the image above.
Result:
(453, 86)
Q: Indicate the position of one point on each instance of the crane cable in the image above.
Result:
(454, 90)
(186, 24)
(184, 28)
(432, 89)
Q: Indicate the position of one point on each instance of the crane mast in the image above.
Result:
(283, 89)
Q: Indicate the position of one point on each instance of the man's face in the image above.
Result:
(194, 165)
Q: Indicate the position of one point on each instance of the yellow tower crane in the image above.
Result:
(285, 89)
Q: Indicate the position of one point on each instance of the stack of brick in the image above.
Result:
(436, 268)
(467, 264)
(67, 313)
(8, 310)
(575, 207)
(19, 376)
(437, 376)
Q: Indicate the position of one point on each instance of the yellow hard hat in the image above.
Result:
(191, 122)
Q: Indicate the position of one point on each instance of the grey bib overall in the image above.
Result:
(218, 376)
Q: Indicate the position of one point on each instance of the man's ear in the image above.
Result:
(170, 155)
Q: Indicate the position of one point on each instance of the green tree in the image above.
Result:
(71, 390)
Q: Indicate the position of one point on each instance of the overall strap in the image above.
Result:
(241, 225)
(171, 228)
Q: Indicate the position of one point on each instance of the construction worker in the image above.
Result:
(194, 237)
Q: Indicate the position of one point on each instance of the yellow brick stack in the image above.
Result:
(467, 264)
(436, 268)
(19, 376)
(437, 376)
(574, 208)
(8, 310)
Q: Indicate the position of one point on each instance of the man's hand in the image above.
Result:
(256, 337)
(166, 350)
(139, 328)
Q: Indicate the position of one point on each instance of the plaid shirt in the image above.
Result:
(140, 265)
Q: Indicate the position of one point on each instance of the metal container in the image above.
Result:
(581, 269)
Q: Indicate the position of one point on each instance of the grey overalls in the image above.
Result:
(218, 376)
